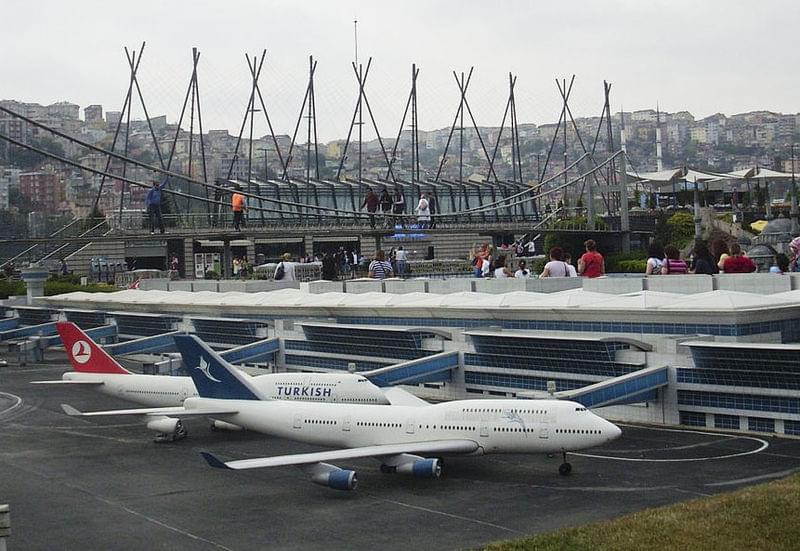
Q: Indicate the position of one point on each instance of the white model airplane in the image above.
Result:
(399, 436)
(94, 367)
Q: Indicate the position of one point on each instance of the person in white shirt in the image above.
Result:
(572, 272)
(556, 267)
(423, 212)
(401, 260)
(500, 270)
(286, 266)
(522, 270)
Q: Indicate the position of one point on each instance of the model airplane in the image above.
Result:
(406, 439)
(94, 367)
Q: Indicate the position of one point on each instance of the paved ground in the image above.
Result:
(103, 484)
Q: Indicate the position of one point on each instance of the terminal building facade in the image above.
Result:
(719, 359)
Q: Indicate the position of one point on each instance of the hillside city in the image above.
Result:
(35, 191)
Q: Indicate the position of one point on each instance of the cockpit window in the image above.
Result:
(580, 409)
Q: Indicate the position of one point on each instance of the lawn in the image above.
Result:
(754, 518)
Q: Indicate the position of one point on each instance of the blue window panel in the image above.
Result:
(692, 418)
(726, 421)
(775, 404)
(760, 424)
(298, 361)
(791, 427)
(519, 381)
(729, 377)
(437, 369)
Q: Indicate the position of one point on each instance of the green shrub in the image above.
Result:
(60, 287)
(681, 229)
(11, 288)
(727, 217)
(617, 262)
(632, 266)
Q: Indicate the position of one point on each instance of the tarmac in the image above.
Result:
(101, 483)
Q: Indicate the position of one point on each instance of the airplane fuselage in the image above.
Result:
(497, 426)
(167, 391)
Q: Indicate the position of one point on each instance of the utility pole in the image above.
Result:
(795, 221)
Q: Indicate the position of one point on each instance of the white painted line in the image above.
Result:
(763, 446)
(752, 479)
(17, 402)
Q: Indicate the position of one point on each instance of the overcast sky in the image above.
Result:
(705, 56)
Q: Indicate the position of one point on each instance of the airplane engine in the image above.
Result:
(216, 424)
(422, 468)
(168, 428)
(340, 479)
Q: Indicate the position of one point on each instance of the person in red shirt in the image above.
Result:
(591, 263)
(737, 262)
(371, 201)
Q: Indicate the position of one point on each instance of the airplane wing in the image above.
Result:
(178, 411)
(436, 446)
(399, 397)
(61, 382)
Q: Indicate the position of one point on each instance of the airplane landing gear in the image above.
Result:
(565, 468)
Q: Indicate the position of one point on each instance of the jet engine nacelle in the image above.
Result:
(422, 468)
(167, 425)
(216, 424)
(340, 479)
(169, 429)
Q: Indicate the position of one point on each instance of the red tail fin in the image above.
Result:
(84, 354)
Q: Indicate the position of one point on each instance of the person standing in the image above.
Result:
(153, 203)
(398, 206)
(591, 263)
(238, 207)
(371, 201)
(423, 212)
(64, 269)
(380, 268)
(284, 271)
(401, 257)
(432, 207)
(386, 206)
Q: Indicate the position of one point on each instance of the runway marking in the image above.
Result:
(450, 515)
(763, 446)
(750, 479)
(160, 523)
(17, 402)
(691, 492)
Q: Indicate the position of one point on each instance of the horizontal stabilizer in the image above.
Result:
(434, 447)
(213, 461)
(62, 382)
(169, 411)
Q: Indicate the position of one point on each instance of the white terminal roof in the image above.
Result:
(567, 300)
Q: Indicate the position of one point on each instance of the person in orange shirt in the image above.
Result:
(238, 206)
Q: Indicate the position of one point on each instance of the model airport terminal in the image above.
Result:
(703, 351)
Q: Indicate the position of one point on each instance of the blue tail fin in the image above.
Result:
(213, 376)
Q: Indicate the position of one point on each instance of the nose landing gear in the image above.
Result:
(565, 468)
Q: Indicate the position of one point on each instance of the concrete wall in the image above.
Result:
(402, 286)
(613, 285)
(684, 284)
(454, 285)
(498, 286)
(552, 284)
(202, 285)
(323, 286)
(763, 284)
(363, 285)
(154, 284)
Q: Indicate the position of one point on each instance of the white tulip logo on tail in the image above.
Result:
(206, 369)
(81, 352)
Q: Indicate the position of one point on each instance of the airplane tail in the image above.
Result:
(85, 355)
(213, 376)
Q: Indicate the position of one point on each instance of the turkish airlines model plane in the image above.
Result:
(399, 436)
(94, 367)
